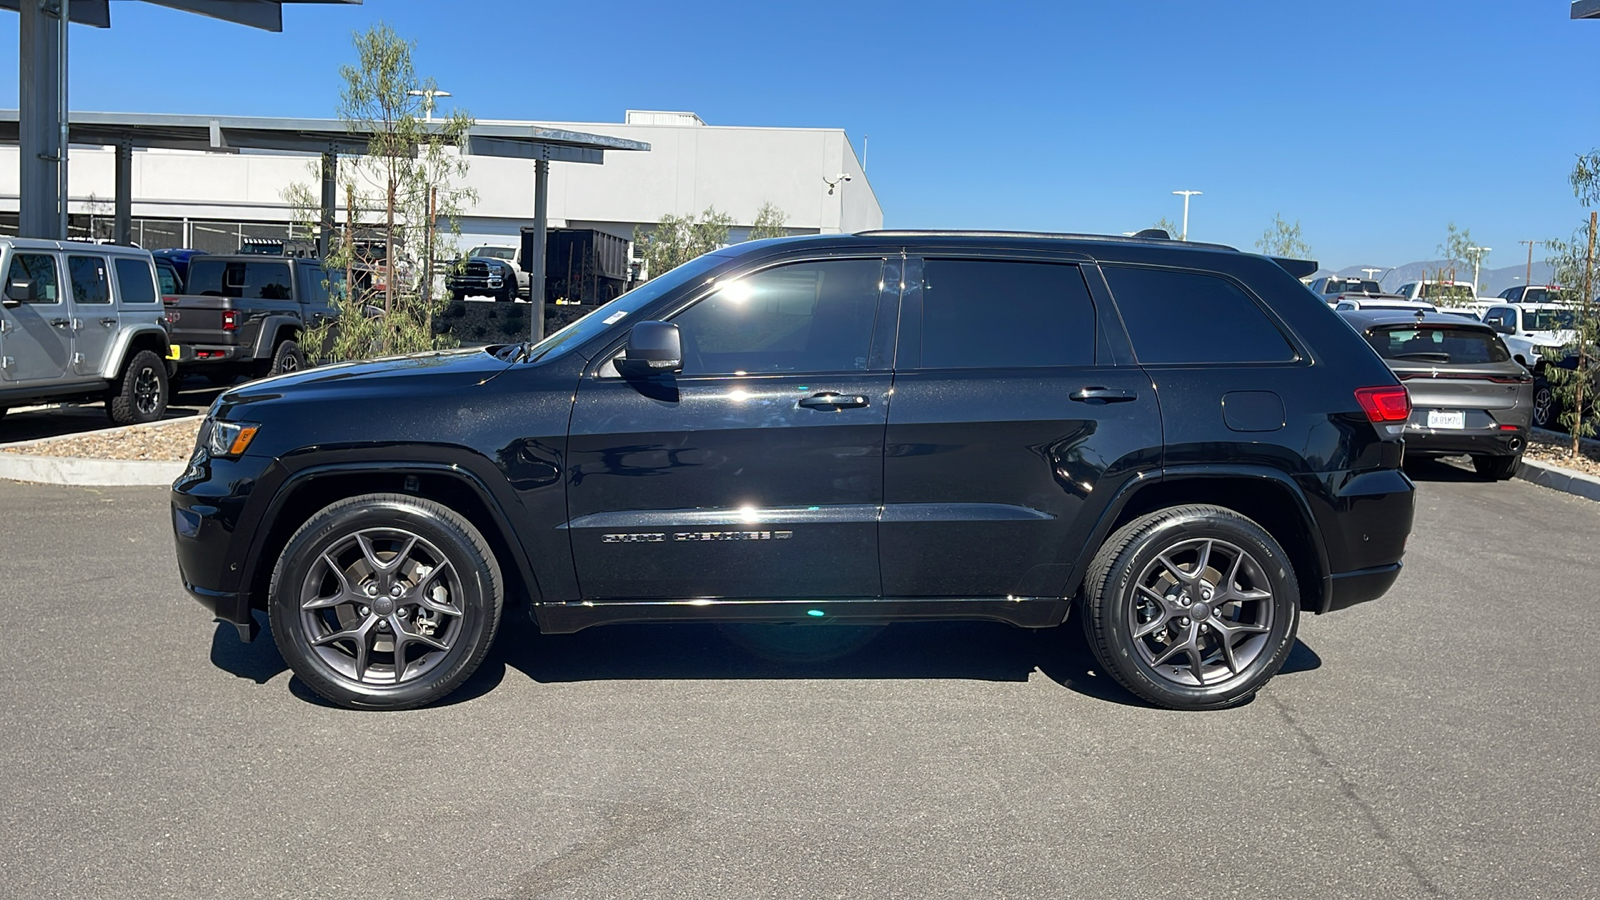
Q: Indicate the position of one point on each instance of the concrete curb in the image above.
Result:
(1559, 479)
(90, 472)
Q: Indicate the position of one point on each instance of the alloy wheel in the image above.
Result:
(147, 392)
(1201, 613)
(381, 606)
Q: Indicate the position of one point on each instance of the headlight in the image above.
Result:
(229, 439)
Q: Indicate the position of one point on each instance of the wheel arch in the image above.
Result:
(274, 331)
(1267, 496)
(312, 489)
(131, 341)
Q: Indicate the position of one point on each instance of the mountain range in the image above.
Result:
(1490, 281)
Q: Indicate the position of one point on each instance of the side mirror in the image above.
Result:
(20, 291)
(654, 348)
(1504, 327)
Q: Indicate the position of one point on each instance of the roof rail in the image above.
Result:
(1047, 235)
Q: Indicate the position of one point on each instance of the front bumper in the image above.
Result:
(212, 525)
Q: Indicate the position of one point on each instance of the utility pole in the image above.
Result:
(1477, 256)
(1186, 196)
(1527, 282)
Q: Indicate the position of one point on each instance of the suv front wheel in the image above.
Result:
(1192, 607)
(385, 601)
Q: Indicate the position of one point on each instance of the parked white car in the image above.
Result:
(508, 254)
(1440, 293)
(1528, 328)
(82, 322)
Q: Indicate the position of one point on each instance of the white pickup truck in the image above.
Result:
(1528, 328)
(1440, 293)
(509, 254)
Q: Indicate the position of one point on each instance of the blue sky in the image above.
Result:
(1373, 123)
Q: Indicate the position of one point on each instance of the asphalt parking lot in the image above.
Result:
(1443, 741)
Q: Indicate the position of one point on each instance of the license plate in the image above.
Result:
(1439, 418)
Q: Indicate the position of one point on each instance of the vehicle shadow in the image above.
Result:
(972, 651)
(67, 419)
(1440, 470)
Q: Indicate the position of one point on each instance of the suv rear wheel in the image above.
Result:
(385, 601)
(1192, 607)
(286, 357)
(140, 395)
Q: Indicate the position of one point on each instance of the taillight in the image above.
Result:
(170, 299)
(230, 319)
(1385, 404)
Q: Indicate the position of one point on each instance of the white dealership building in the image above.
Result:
(211, 200)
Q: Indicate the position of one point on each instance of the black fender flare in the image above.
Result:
(267, 337)
(1119, 502)
(300, 477)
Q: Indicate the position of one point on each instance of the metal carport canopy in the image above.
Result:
(329, 138)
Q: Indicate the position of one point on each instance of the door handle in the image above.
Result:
(108, 322)
(1102, 395)
(833, 400)
(59, 323)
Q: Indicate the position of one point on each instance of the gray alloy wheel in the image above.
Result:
(1544, 405)
(288, 358)
(385, 601)
(1192, 607)
(1201, 612)
(140, 396)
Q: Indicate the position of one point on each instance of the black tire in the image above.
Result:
(508, 292)
(141, 393)
(335, 668)
(286, 357)
(1546, 409)
(1496, 468)
(1115, 607)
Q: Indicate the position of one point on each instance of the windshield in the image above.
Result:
(1546, 319)
(624, 306)
(1437, 343)
(1351, 286)
(1447, 292)
(505, 253)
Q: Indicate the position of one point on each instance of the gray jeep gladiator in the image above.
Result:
(244, 315)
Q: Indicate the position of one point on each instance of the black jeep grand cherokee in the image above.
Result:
(1177, 442)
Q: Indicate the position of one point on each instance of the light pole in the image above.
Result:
(1528, 281)
(1369, 270)
(1186, 196)
(1477, 257)
(427, 95)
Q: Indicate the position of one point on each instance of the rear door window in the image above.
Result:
(980, 314)
(1177, 317)
(1437, 344)
(90, 283)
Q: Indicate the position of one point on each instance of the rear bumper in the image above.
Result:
(192, 355)
(1346, 589)
(1425, 441)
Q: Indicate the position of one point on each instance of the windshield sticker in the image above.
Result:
(615, 317)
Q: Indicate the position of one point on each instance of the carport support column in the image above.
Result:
(122, 226)
(330, 201)
(541, 215)
(39, 97)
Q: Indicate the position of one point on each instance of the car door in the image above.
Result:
(94, 316)
(758, 470)
(35, 335)
(1012, 425)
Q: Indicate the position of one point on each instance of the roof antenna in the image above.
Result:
(1153, 233)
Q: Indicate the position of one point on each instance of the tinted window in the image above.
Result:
(1438, 343)
(246, 280)
(90, 284)
(40, 268)
(168, 277)
(134, 281)
(993, 314)
(807, 317)
(1177, 318)
(313, 286)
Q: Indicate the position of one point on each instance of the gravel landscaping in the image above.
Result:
(170, 440)
(1556, 450)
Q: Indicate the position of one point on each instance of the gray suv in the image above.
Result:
(82, 322)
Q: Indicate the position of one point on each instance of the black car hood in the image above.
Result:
(450, 370)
